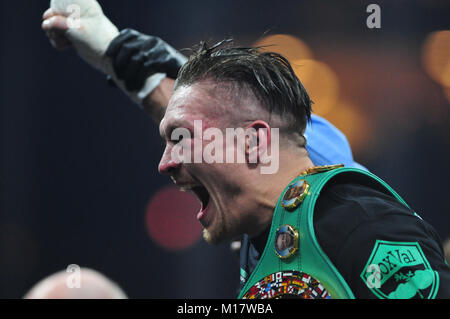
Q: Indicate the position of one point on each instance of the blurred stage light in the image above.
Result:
(321, 83)
(318, 78)
(436, 56)
(171, 219)
(446, 75)
(447, 93)
(292, 48)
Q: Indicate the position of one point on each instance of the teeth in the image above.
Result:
(186, 188)
(183, 188)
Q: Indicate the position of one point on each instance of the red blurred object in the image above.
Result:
(171, 219)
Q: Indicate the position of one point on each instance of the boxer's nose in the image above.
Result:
(167, 164)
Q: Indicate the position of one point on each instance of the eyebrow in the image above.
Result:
(172, 126)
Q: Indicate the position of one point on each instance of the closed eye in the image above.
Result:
(177, 134)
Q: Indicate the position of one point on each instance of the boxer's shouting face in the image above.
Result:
(193, 111)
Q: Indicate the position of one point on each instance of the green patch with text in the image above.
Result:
(398, 270)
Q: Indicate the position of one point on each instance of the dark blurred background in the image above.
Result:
(78, 179)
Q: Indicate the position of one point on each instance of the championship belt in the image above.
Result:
(293, 265)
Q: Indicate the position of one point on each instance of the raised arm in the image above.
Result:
(143, 66)
(136, 58)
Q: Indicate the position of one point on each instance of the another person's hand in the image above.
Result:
(82, 24)
(143, 66)
(55, 26)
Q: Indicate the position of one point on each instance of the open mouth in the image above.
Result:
(203, 196)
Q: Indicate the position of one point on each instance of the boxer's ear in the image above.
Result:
(257, 141)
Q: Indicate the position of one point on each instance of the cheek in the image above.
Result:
(197, 145)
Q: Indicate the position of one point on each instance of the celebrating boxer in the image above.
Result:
(343, 232)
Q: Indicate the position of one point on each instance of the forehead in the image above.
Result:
(188, 104)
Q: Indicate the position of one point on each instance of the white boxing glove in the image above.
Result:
(91, 32)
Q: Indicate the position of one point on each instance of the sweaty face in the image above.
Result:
(218, 186)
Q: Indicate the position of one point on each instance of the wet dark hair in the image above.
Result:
(268, 75)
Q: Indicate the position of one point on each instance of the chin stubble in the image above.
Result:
(216, 236)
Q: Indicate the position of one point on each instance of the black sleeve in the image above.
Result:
(136, 56)
(380, 247)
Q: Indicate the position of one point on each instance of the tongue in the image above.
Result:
(201, 214)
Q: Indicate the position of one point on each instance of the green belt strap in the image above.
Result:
(310, 258)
